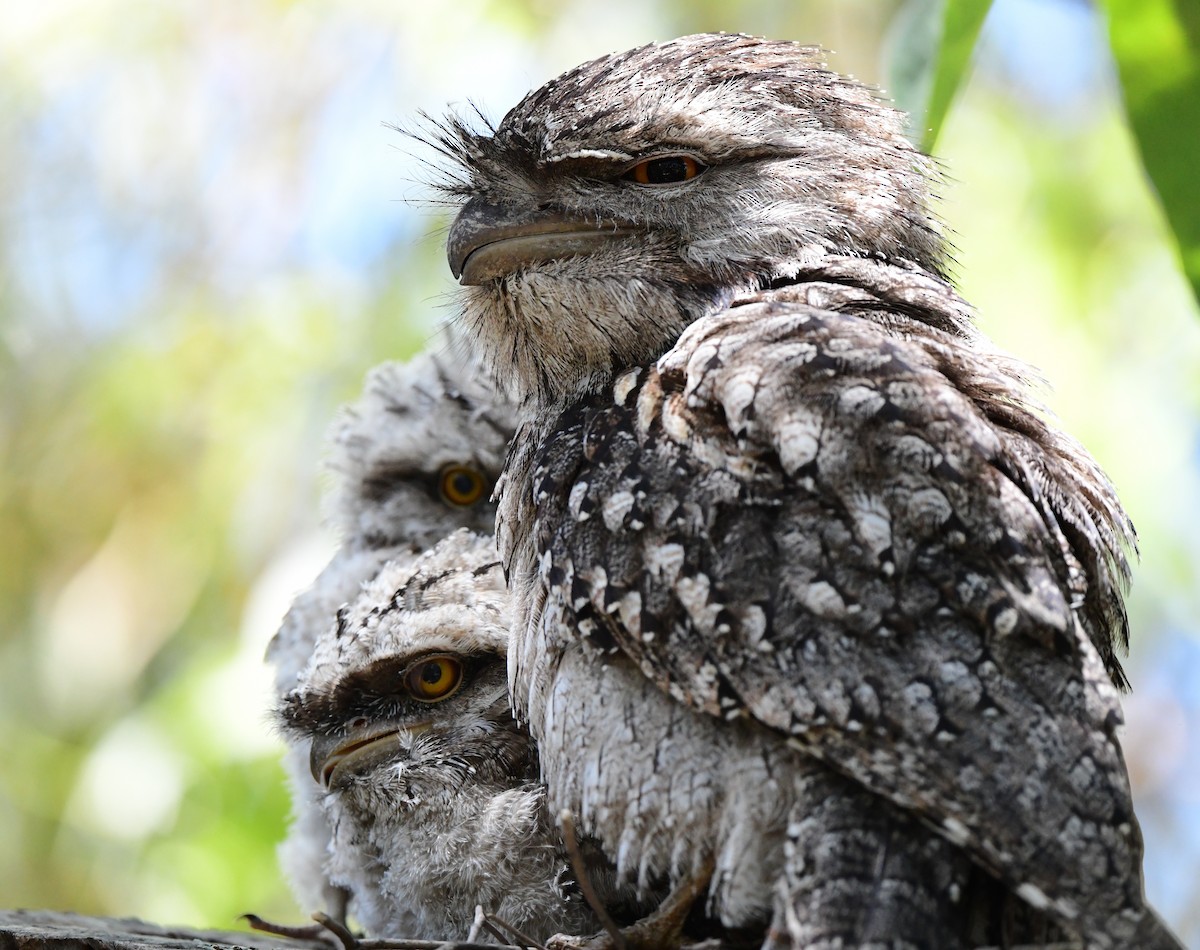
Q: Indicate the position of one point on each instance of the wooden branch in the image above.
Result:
(49, 930)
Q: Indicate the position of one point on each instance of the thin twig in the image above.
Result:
(403, 944)
(307, 932)
(567, 821)
(477, 924)
(522, 938)
(351, 942)
(1069, 945)
(338, 929)
(432, 945)
(491, 928)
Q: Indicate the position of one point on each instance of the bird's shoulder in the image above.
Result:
(782, 450)
(873, 411)
(786, 445)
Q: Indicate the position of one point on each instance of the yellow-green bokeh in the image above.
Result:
(208, 234)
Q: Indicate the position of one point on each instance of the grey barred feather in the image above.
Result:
(808, 587)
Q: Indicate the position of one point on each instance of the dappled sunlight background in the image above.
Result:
(208, 233)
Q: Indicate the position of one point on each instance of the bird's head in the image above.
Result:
(633, 194)
(418, 455)
(406, 697)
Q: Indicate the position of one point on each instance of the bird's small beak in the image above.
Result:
(488, 241)
(334, 757)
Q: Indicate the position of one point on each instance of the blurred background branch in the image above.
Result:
(208, 234)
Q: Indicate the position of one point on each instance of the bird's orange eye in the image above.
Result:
(461, 486)
(433, 678)
(665, 170)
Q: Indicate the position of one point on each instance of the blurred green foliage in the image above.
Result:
(932, 59)
(1156, 44)
(207, 236)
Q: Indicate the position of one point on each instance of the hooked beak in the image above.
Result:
(332, 758)
(488, 241)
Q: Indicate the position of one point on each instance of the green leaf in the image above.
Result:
(961, 22)
(931, 53)
(1155, 43)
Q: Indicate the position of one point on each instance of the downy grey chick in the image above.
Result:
(429, 786)
(413, 459)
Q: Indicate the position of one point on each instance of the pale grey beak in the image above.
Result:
(488, 241)
(334, 757)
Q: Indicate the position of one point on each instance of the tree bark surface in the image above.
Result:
(51, 930)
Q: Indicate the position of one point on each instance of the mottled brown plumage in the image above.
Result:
(807, 585)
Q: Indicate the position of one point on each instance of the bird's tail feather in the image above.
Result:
(860, 873)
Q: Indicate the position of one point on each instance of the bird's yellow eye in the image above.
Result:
(433, 678)
(665, 170)
(461, 486)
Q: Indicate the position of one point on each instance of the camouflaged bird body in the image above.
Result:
(790, 545)
(819, 530)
